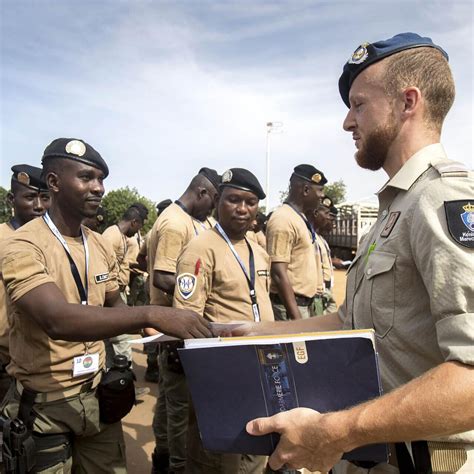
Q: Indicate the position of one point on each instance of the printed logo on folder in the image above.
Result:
(277, 379)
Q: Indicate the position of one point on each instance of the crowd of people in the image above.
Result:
(70, 297)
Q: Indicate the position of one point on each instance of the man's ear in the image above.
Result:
(10, 198)
(306, 189)
(52, 180)
(411, 101)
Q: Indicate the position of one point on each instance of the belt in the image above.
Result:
(300, 300)
(43, 397)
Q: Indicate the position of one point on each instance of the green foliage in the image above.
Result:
(336, 191)
(5, 208)
(116, 202)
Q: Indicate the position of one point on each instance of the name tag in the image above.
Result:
(263, 273)
(85, 364)
(101, 277)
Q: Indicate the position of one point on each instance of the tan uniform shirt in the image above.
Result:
(325, 255)
(210, 281)
(289, 241)
(410, 280)
(121, 246)
(5, 231)
(258, 237)
(33, 257)
(173, 229)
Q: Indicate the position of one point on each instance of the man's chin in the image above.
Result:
(368, 163)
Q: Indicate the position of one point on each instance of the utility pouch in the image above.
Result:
(116, 391)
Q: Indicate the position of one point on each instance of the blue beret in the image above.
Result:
(311, 174)
(76, 150)
(369, 53)
(29, 176)
(240, 178)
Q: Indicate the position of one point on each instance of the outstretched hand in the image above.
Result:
(180, 323)
(306, 439)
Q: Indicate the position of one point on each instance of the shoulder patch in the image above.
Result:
(186, 283)
(460, 220)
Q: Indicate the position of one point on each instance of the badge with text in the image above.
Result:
(101, 277)
(85, 364)
(391, 221)
(460, 220)
(186, 285)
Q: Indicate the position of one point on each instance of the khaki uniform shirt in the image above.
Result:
(121, 246)
(173, 229)
(5, 231)
(33, 257)
(210, 281)
(410, 280)
(289, 241)
(258, 237)
(325, 255)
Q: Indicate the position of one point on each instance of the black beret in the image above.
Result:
(369, 53)
(76, 150)
(240, 178)
(211, 175)
(326, 201)
(333, 211)
(29, 176)
(162, 205)
(311, 174)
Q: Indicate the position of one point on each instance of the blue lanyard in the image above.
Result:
(83, 291)
(306, 222)
(249, 277)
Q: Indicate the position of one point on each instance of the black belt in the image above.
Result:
(300, 300)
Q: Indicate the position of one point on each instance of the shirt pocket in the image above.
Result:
(380, 275)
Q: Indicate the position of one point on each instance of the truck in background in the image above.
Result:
(353, 221)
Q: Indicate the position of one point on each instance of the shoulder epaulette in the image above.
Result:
(448, 168)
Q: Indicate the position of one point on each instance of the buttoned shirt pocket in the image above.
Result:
(380, 278)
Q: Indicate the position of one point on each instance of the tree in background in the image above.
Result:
(116, 202)
(336, 191)
(5, 208)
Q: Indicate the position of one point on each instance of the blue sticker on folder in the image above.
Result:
(277, 379)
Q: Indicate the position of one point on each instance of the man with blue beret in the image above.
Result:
(411, 279)
(63, 300)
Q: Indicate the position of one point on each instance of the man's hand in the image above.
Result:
(180, 323)
(307, 439)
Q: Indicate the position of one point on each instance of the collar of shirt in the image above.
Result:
(416, 165)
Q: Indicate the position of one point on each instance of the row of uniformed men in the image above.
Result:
(24, 271)
(224, 275)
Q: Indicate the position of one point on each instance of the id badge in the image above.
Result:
(85, 364)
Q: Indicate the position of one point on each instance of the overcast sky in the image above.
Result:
(161, 89)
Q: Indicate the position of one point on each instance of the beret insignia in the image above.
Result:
(316, 178)
(23, 178)
(76, 147)
(326, 202)
(227, 176)
(359, 55)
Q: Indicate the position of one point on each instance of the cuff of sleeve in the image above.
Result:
(456, 338)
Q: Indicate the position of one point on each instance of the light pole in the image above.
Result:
(272, 127)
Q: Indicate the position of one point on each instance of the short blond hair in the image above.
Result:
(427, 69)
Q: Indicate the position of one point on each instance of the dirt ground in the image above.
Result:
(137, 425)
